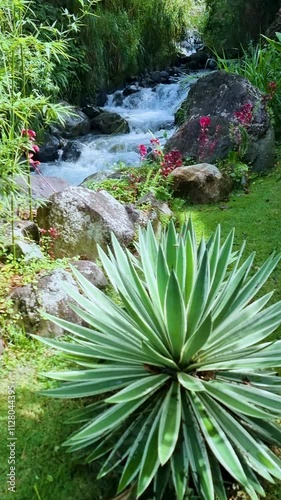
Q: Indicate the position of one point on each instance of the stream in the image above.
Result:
(149, 112)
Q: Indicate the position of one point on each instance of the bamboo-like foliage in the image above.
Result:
(183, 368)
(27, 89)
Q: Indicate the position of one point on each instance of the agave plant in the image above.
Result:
(187, 394)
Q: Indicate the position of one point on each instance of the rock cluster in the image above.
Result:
(220, 98)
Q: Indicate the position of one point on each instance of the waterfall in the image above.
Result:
(150, 111)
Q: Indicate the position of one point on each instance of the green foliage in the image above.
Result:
(122, 39)
(191, 391)
(27, 54)
(42, 465)
(25, 68)
(18, 272)
(129, 184)
(275, 44)
(236, 169)
(235, 23)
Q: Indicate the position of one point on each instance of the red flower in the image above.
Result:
(272, 86)
(205, 121)
(155, 141)
(245, 115)
(53, 232)
(142, 150)
(35, 148)
(29, 133)
(171, 161)
(33, 163)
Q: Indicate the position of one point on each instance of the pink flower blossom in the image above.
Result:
(170, 161)
(35, 148)
(155, 141)
(205, 122)
(245, 115)
(142, 150)
(33, 163)
(53, 232)
(29, 133)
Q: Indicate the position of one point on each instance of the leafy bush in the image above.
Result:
(191, 391)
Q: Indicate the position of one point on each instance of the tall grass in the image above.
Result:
(121, 39)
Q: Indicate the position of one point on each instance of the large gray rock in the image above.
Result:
(219, 96)
(110, 123)
(47, 295)
(91, 271)
(201, 183)
(49, 150)
(75, 124)
(42, 186)
(84, 219)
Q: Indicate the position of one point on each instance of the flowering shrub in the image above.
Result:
(31, 148)
(271, 89)
(245, 115)
(238, 132)
(170, 161)
(142, 151)
(47, 240)
(157, 169)
(206, 144)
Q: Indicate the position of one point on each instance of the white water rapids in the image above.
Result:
(149, 111)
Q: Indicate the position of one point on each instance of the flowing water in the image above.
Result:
(149, 112)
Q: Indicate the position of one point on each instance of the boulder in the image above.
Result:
(91, 111)
(75, 124)
(29, 230)
(221, 97)
(72, 151)
(49, 150)
(198, 60)
(118, 98)
(110, 123)
(26, 237)
(143, 217)
(48, 294)
(42, 186)
(83, 220)
(160, 206)
(164, 75)
(91, 271)
(101, 175)
(201, 183)
(131, 89)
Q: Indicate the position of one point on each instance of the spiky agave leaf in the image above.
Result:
(186, 361)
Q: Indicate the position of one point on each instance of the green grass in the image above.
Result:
(255, 216)
(43, 469)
